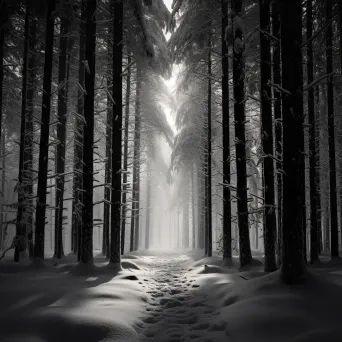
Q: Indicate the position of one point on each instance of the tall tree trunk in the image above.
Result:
(331, 129)
(193, 205)
(3, 184)
(312, 140)
(21, 228)
(267, 138)
(210, 221)
(340, 102)
(3, 20)
(28, 155)
(61, 135)
(78, 144)
(317, 172)
(293, 267)
(106, 207)
(206, 211)
(115, 246)
(278, 130)
(44, 134)
(148, 206)
(136, 166)
(201, 205)
(125, 157)
(186, 217)
(88, 135)
(240, 118)
(227, 208)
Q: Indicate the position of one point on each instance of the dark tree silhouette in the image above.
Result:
(44, 133)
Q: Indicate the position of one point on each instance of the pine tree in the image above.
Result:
(61, 134)
(227, 210)
(331, 129)
(267, 138)
(240, 143)
(115, 245)
(293, 267)
(125, 156)
(88, 134)
(312, 139)
(78, 142)
(44, 134)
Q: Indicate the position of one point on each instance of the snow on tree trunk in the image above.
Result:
(125, 157)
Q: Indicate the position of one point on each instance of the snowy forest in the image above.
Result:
(170, 170)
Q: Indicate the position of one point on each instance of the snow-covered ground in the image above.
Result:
(166, 297)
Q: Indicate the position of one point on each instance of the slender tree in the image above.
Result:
(78, 142)
(209, 148)
(293, 268)
(3, 19)
(267, 137)
(106, 207)
(227, 209)
(312, 139)
(61, 134)
(148, 205)
(21, 188)
(240, 143)
(125, 156)
(115, 246)
(136, 165)
(44, 133)
(331, 130)
(277, 122)
(88, 134)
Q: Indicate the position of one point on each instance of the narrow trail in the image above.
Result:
(175, 311)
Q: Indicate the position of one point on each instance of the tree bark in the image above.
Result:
(267, 138)
(312, 139)
(136, 166)
(318, 171)
(78, 144)
(44, 134)
(21, 226)
(3, 19)
(278, 125)
(193, 200)
(61, 135)
(107, 191)
(125, 157)
(148, 205)
(227, 208)
(115, 246)
(240, 118)
(293, 267)
(210, 221)
(331, 129)
(88, 135)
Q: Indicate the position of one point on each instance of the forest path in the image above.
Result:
(175, 311)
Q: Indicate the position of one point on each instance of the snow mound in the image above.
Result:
(129, 265)
(97, 304)
(265, 310)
